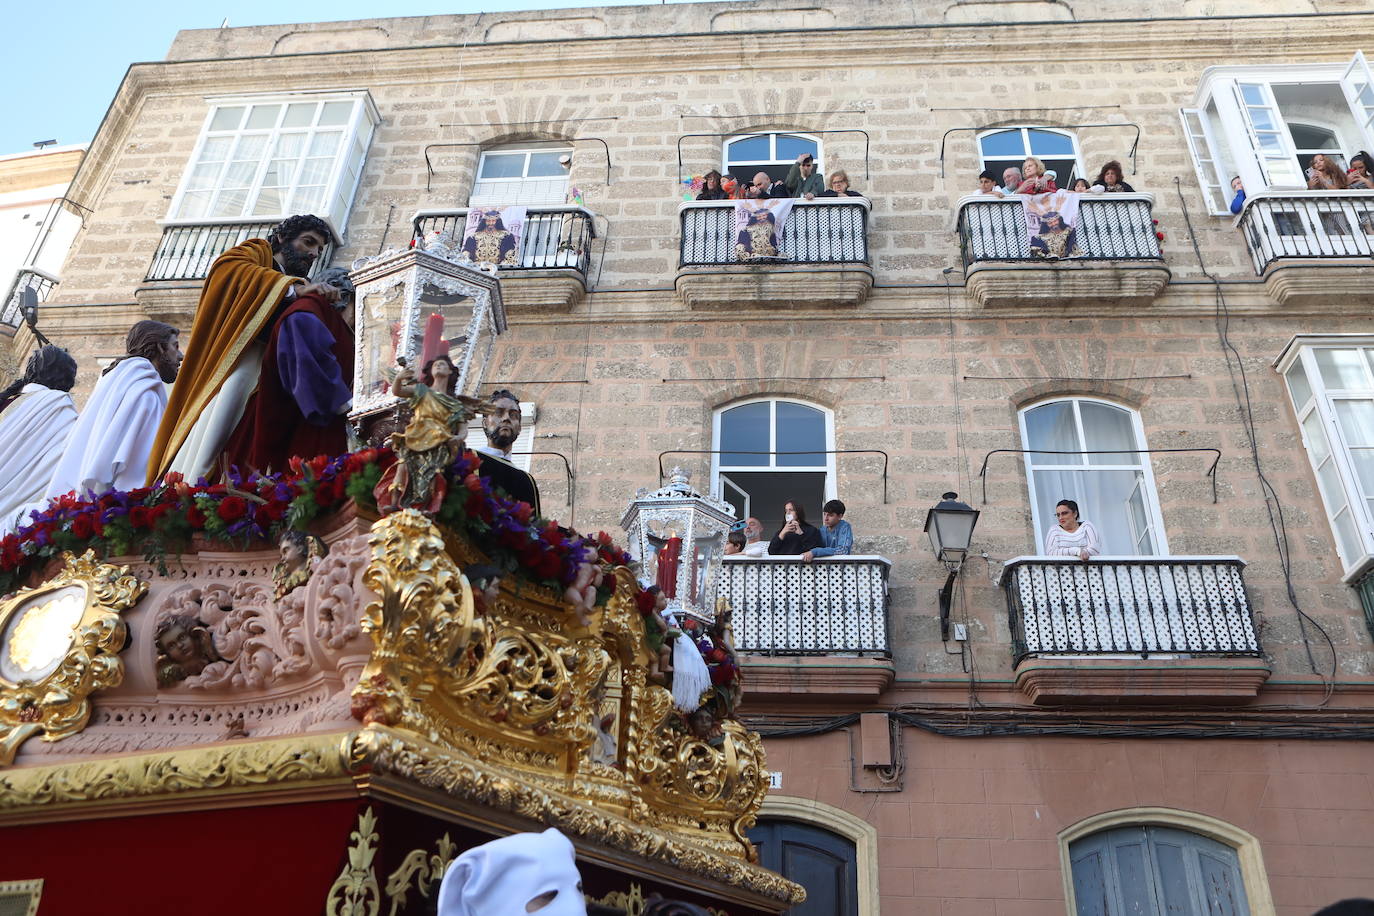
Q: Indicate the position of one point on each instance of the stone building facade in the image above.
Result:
(1007, 771)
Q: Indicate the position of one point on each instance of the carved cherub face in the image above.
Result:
(178, 645)
(292, 554)
(702, 723)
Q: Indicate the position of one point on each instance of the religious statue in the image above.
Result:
(299, 554)
(759, 237)
(492, 241)
(604, 748)
(185, 648)
(652, 603)
(581, 594)
(431, 441)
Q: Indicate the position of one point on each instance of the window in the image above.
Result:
(1266, 124)
(772, 451)
(273, 157)
(528, 174)
(1154, 871)
(1004, 149)
(1331, 384)
(750, 154)
(1114, 488)
(824, 863)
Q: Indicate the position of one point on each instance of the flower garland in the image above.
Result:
(247, 511)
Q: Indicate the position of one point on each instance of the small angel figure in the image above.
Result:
(652, 603)
(300, 553)
(185, 648)
(582, 593)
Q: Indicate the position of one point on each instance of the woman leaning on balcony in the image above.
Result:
(1035, 181)
(1071, 537)
(839, 186)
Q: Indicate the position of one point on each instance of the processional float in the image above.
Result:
(201, 711)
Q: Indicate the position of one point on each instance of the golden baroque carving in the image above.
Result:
(422, 868)
(59, 643)
(355, 892)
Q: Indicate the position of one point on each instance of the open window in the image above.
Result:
(1331, 383)
(268, 157)
(1266, 123)
(747, 155)
(1114, 488)
(1008, 148)
(773, 450)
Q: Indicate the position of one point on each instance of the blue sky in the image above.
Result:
(62, 72)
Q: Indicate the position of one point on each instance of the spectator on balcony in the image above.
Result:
(1036, 181)
(837, 537)
(802, 180)
(754, 544)
(764, 187)
(988, 185)
(1071, 537)
(796, 536)
(1080, 186)
(1109, 180)
(839, 186)
(1325, 175)
(1011, 180)
(1358, 176)
(1237, 202)
(711, 188)
(734, 543)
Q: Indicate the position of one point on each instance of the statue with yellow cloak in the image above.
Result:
(244, 291)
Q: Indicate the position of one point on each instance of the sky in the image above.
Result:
(69, 57)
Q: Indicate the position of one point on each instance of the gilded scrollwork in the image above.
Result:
(355, 891)
(59, 643)
(422, 868)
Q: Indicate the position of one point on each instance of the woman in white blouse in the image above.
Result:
(1071, 537)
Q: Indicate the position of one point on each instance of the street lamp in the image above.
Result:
(28, 306)
(950, 524)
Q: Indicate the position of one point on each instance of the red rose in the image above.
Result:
(554, 535)
(83, 527)
(276, 511)
(522, 512)
(326, 493)
(317, 464)
(141, 517)
(473, 483)
(548, 566)
(232, 508)
(195, 517)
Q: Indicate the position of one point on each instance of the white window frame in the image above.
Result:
(1150, 495)
(1025, 129)
(1203, 146)
(772, 135)
(1302, 349)
(364, 119)
(1221, 85)
(827, 464)
(475, 199)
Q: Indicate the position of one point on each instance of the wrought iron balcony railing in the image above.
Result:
(187, 250)
(1129, 605)
(26, 278)
(782, 606)
(821, 231)
(1111, 227)
(1307, 224)
(553, 236)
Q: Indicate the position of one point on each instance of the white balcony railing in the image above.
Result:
(41, 282)
(828, 230)
(1111, 227)
(1128, 605)
(187, 250)
(1307, 224)
(783, 606)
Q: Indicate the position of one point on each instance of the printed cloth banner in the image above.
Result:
(493, 234)
(758, 228)
(1052, 222)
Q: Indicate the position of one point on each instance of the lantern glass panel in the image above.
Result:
(381, 325)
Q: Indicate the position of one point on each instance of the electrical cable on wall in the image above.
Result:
(1272, 504)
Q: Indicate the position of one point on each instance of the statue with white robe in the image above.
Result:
(36, 420)
(110, 443)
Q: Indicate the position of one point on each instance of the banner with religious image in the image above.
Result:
(492, 234)
(758, 228)
(1052, 222)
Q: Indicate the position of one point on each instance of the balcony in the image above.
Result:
(1312, 246)
(41, 282)
(823, 258)
(1132, 630)
(1121, 260)
(555, 254)
(791, 620)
